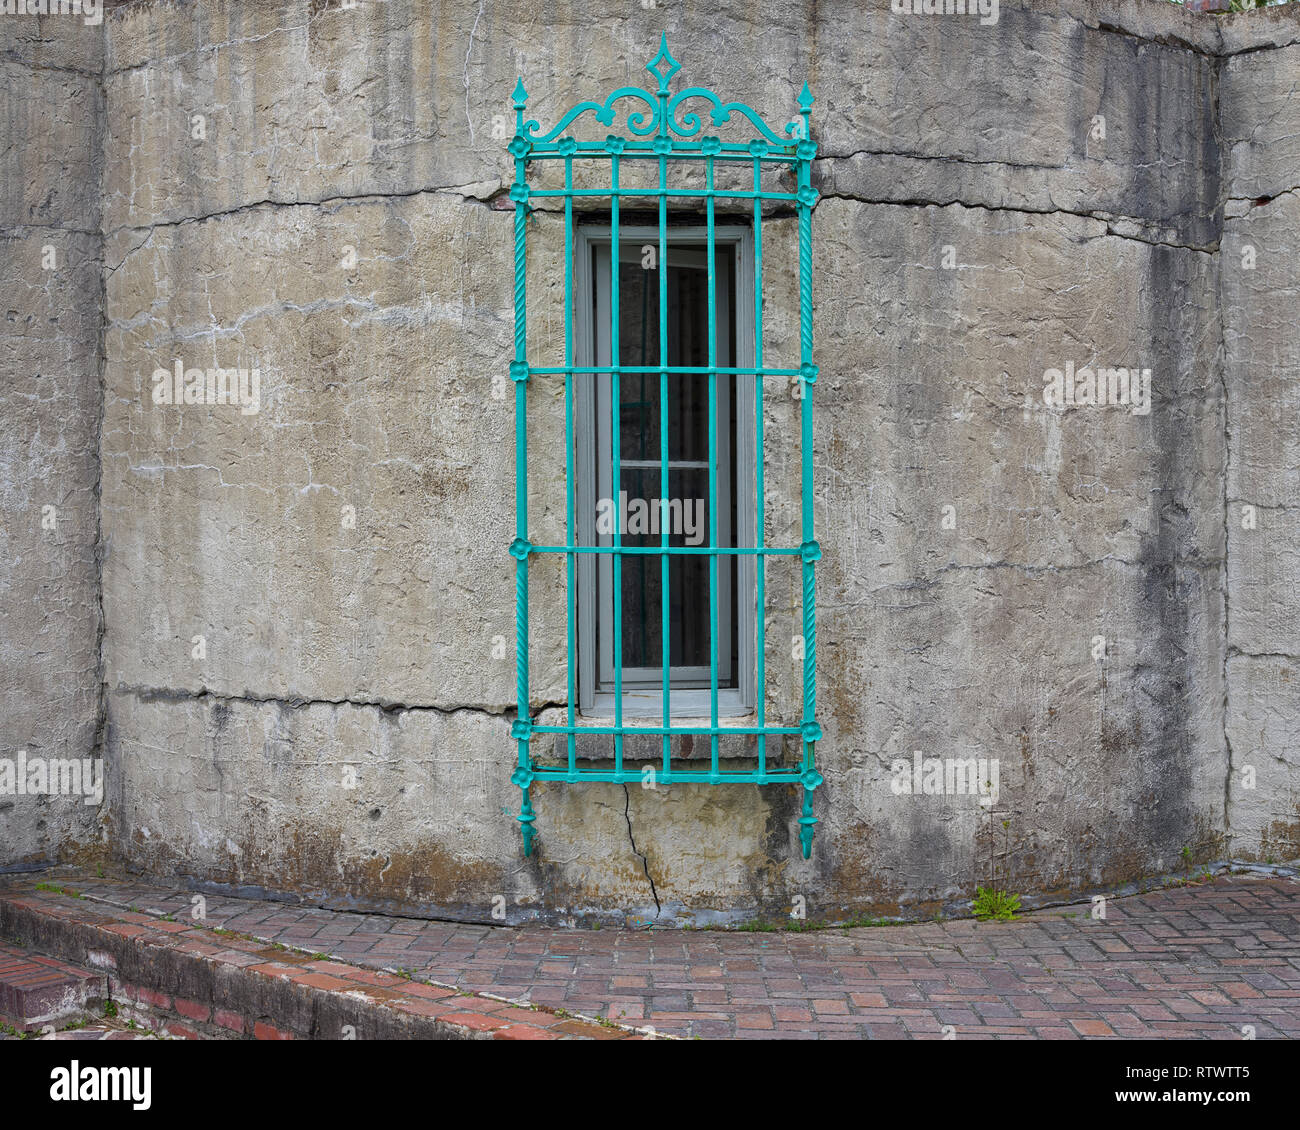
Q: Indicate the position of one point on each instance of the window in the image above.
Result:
(639, 507)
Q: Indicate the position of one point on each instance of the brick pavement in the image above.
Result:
(1202, 960)
(192, 981)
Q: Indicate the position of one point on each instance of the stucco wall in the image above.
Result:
(335, 219)
(1259, 267)
(51, 117)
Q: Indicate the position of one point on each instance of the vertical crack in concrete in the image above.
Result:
(465, 74)
(645, 863)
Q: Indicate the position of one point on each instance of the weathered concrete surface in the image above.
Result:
(388, 492)
(981, 640)
(1260, 297)
(322, 583)
(51, 107)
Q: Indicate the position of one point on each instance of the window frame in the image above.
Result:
(642, 692)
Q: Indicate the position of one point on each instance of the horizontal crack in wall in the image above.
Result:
(299, 702)
(1107, 218)
(486, 190)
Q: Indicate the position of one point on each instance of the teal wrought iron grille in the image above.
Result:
(661, 132)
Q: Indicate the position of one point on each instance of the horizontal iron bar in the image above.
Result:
(731, 151)
(670, 370)
(688, 193)
(670, 731)
(671, 551)
(679, 776)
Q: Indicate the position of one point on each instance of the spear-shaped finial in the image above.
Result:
(520, 95)
(663, 66)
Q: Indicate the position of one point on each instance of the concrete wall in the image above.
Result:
(1260, 302)
(312, 591)
(51, 117)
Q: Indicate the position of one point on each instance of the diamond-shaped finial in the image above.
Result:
(520, 95)
(663, 66)
(805, 99)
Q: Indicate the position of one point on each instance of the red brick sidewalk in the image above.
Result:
(1210, 960)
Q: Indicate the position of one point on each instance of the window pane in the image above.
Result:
(688, 344)
(643, 600)
(687, 518)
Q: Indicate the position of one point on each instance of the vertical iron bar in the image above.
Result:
(521, 480)
(520, 374)
(664, 147)
(760, 626)
(810, 552)
(713, 474)
(664, 509)
(616, 429)
(569, 563)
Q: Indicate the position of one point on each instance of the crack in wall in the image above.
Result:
(1175, 40)
(1257, 48)
(1106, 218)
(486, 190)
(946, 157)
(645, 862)
(1282, 506)
(1267, 198)
(1172, 39)
(469, 121)
(932, 579)
(302, 702)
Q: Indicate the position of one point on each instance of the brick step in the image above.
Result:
(36, 991)
(191, 982)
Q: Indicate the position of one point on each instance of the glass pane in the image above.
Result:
(688, 344)
(643, 600)
(687, 518)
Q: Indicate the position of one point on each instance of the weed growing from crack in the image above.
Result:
(992, 904)
(56, 889)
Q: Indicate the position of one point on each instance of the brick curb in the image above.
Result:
(38, 991)
(191, 982)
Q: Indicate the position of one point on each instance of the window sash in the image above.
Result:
(592, 422)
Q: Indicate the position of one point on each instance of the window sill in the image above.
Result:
(689, 707)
